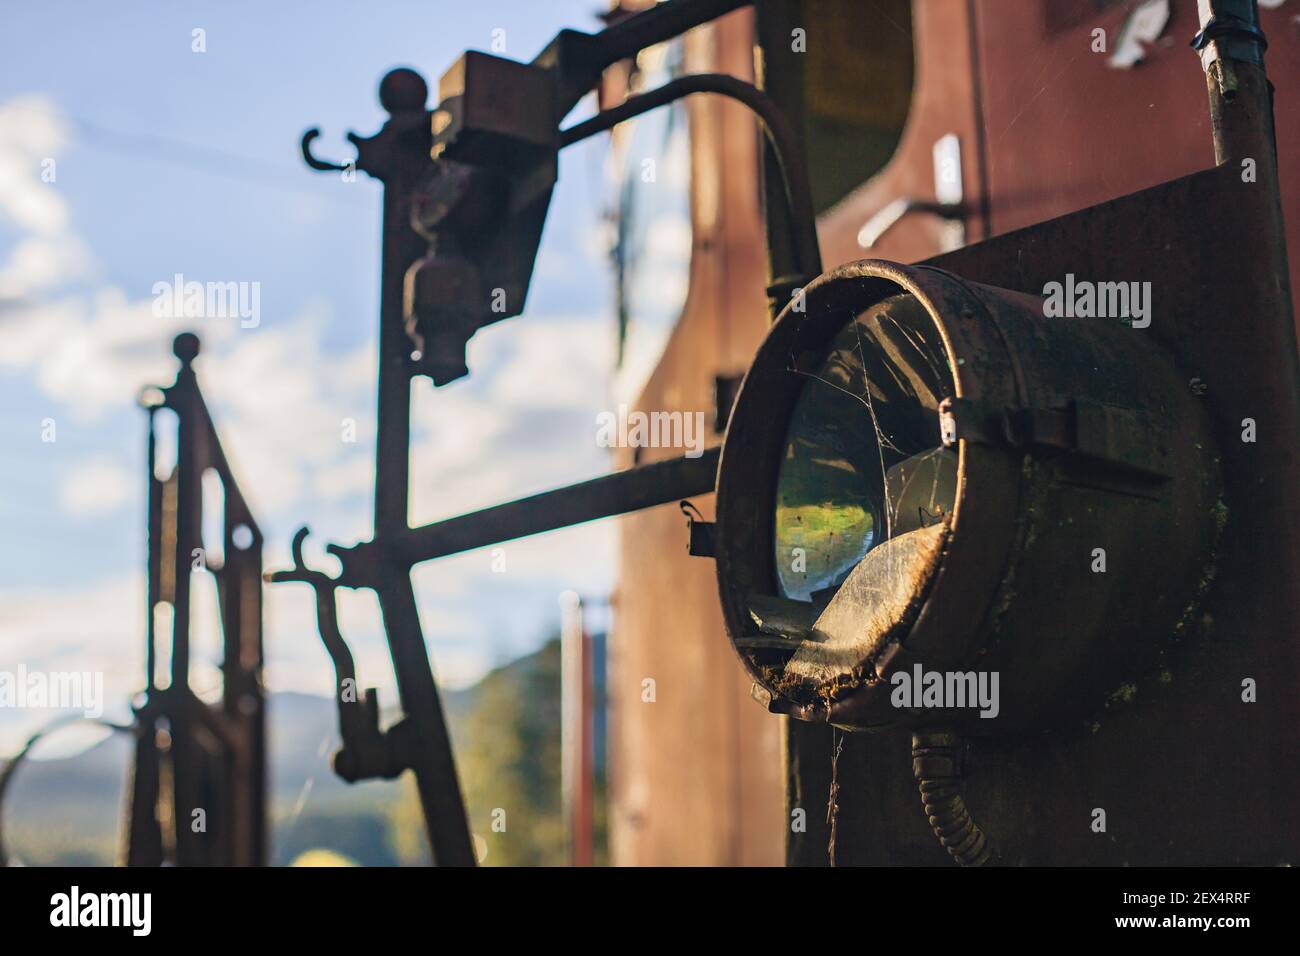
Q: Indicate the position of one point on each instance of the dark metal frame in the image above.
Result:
(190, 755)
(400, 157)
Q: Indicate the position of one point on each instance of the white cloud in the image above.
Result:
(42, 262)
(278, 398)
(91, 354)
(97, 486)
(281, 403)
(524, 421)
(31, 131)
(97, 628)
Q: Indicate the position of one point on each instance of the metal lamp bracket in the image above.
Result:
(1125, 439)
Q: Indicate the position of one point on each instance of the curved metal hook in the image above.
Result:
(326, 614)
(311, 160)
(296, 547)
(366, 751)
(300, 571)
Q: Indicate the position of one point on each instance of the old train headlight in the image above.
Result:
(923, 471)
(862, 462)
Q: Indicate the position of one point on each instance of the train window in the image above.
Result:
(857, 90)
(652, 252)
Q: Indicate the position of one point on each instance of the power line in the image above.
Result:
(206, 159)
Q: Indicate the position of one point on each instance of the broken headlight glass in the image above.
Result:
(863, 462)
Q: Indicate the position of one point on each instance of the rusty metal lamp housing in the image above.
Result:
(1075, 532)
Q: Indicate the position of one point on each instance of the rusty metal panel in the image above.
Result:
(719, 799)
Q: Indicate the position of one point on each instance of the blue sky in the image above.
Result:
(171, 161)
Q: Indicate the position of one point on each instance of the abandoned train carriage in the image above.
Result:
(928, 126)
(990, 550)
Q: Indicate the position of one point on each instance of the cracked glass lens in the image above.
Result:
(863, 461)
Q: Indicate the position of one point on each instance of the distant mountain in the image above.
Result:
(505, 730)
(69, 811)
(508, 752)
(66, 812)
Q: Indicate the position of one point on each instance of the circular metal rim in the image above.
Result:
(971, 571)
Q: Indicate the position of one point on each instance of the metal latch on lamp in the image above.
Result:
(1124, 437)
(701, 544)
